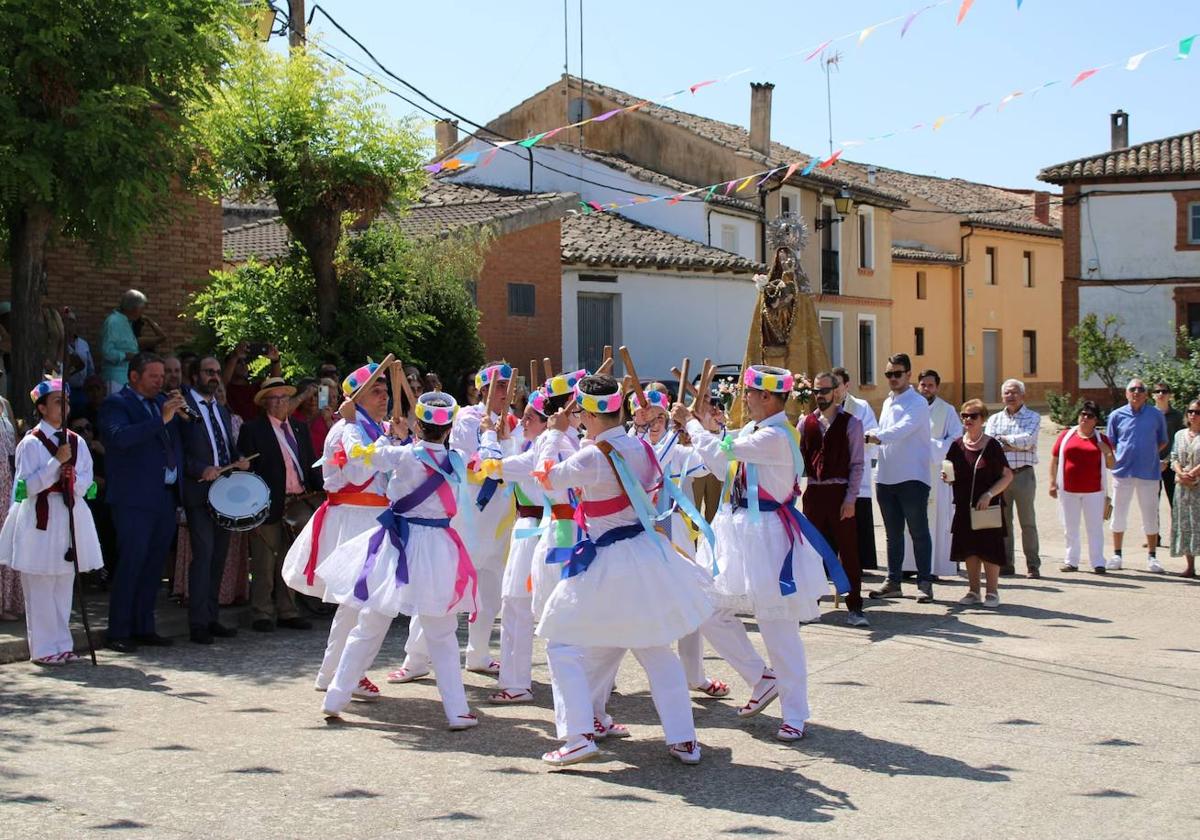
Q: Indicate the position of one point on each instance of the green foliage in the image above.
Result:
(1103, 350)
(1064, 409)
(95, 97)
(403, 297)
(1181, 371)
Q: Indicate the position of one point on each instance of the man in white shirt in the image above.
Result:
(864, 510)
(902, 480)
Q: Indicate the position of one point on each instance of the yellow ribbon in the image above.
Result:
(363, 453)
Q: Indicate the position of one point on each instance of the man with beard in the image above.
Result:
(831, 441)
(207, 447)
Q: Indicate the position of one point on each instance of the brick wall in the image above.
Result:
(533, 256)
(168, 263)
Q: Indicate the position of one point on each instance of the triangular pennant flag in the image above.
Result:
(812, 164)
(699, 85)
(729, 187)
(675, 198)
(607, 114)
(745, 183)
(490, 155)
(1136, 60)
(452, 163)
(530, 142)
(862, 36)
(790, 170)
(1185, 48)
(711, 190)
(911, 18)
(938, 123)
(596, 207)
(641, 199)
(469, 157)
(766, 177)
(586, 209)
(978, 108)
(828, 163)
(1082, 77)
(964, 8)
(434, 168)
(1008, 99)
(818, 50)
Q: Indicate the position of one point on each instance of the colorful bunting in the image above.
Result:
(966, 7)
(818, 50)
(699, 85)
(1185, 48)
(828, 163)
(862, 36)
(1082, 77)
(812, 164)
(938, 123)
(911, 18)
(978, 108)
(1136, 60)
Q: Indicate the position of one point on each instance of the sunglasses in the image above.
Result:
(970, 415)
(1193, 412)
(1160, 391)
(822, 391)
(894, 374)
(1137, 389)
(1087, 414)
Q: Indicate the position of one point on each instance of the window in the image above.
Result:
(866, 237)
(922, 291)
(919, 341)
(1194, 223)
(831, 260)
(521, 299)
(1027, 269)
(789, 201)
(989, 266)
(866, 350)
(831, 336)
(1029, 352)
(729, 238)
(1193, 320)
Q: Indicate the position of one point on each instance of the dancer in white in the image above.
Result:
(624, 587)
(355, 496)
(53, 476)
(485, 520)
(414, 563)
(763, 562)
(944, 429)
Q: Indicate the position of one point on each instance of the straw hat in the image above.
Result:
(272, 385)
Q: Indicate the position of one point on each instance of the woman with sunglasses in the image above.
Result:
(1079, 465)
(979, 473)
(1185, 507)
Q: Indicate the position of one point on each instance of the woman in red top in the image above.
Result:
(1079, 465)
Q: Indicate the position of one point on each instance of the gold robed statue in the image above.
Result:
(784, 331)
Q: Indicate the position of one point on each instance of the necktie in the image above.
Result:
(291, 441)
(218, 434)
(164, 436)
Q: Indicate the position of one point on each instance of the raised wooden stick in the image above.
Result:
(606, 365)
(547, 367)
(396, 376)
(632, 371)
(533, 376)
(706, 376)
(404, 386)
(626, 384)
(684, 367)
(691, 389)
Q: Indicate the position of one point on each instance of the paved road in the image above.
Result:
(1070, 712)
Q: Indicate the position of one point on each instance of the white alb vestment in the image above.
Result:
(944, 429)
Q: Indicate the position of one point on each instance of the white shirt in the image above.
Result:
(589, 469)
(345, 435)
(204, 415)
(408, 473)
(862, 410)
(764, 444)
(903, 433)
(81, 349)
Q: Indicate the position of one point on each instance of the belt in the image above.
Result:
(1019, 469)
(529, 512)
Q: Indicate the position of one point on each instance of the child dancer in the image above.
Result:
(414, 563)
(53, 477)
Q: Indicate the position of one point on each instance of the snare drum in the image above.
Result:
(239, 501)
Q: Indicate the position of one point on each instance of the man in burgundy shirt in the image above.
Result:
(831, 442)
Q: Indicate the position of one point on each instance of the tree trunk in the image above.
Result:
(319, 232)
(27, 236)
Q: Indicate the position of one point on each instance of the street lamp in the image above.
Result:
(264, 15)
(843, 204)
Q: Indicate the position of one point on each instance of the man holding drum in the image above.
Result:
(208, 448)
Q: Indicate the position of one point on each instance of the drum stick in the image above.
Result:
(548, 368)
(632, 371)
(229, 467)
(691, 389)
(684, 368)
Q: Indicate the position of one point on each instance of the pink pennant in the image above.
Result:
(963, 9)
(675, 199)
(1084, 76)
(791, 169)
(699, 85)
(729, 187)
(828, 163)
(607, 114)
(488, 158)
(598, 208)
(818, 50)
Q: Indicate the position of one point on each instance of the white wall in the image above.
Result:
(1127, 237)
(665, 317)
(687, 218)
(1148, 313)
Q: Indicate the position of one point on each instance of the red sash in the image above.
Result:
(42, 504)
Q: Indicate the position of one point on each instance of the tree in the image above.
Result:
(1180, 369)
(1103, 350)
(94, 131)
(409, 298)
(293, 128)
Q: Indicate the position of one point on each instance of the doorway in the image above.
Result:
(597, 326)
(991, 366)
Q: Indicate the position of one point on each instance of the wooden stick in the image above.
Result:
(404, 386)
(396, 375)
(547, 367)
(706, 376)
(605, 367)
(684, 367)
(511, 396)
(632, 371)
(691, 389)
(229, 467)
(626, 384)
(533, 376)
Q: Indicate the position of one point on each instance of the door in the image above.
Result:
(991, 366)
(597, 327)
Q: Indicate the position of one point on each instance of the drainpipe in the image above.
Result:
(708, 222)
(962, 308)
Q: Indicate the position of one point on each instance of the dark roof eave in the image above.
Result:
(1055, 233)
(650, 264)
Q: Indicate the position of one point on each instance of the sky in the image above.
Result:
(482, 58)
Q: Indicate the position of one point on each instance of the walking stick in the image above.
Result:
(68, 492)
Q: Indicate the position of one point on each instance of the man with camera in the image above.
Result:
(239, 390)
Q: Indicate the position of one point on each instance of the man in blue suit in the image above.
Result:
(140, 428)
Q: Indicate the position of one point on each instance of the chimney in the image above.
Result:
(445, 133)
(1120, 130)
(1041, 206)
(760, 117)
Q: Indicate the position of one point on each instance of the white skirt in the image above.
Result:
(342, 523)
(432, 558)
(518, 566)
(26, 549)
(637, 593)
(749, 558)
(478, 528)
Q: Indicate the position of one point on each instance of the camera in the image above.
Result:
(255, 349)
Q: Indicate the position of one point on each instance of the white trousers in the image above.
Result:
(516, 644)
(1125, 490)
(48, 613)
(575, 670)
(479, 632)
(1091, 507)
(728, 637)
(786, 651)
(363, 643)
(339, 630)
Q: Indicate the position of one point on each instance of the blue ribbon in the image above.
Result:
(584, 551)
(829, 558)
(369, 427)
(486, 490)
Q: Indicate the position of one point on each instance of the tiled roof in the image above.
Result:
(923, 254)
(441, 207)
(641, 173)
(979, 204)
(611, 240)
(1178, 155)
(738, 139)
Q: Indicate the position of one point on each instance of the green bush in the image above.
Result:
(1064, 409)
(1181, 372)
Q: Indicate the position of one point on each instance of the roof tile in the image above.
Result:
(1178, 155)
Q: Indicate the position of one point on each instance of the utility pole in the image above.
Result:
(296, 23)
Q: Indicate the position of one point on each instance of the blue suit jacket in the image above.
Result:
(136, 452)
